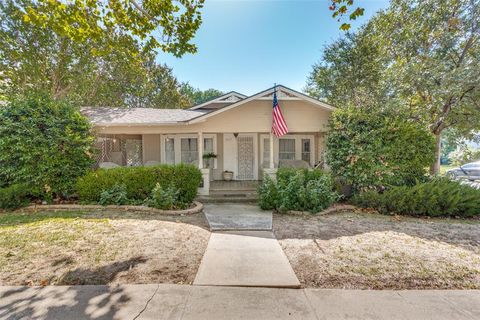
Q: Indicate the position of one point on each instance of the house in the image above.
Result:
(234, 127)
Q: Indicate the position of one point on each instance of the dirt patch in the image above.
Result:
(370, 251)
(100, 248)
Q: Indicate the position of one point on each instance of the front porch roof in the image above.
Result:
(138, 116)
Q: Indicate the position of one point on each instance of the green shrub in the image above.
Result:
(439, 197)
(372, 149)
(14, 197)
(267, 194)
(297, 189)
(140, 181)
(116, 195)
(45, 144)
(165, 198)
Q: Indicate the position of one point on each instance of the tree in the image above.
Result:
(425, 62)
(197, 96)
(340, 9)
(44, 144)
(165, 24)
(39, 59)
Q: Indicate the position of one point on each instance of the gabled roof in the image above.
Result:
(219, 102)
(283, 93)
(138, 116)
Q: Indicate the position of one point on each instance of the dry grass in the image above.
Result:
(378, 252)
(97, 248)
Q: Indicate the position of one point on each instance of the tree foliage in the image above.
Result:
(197, 96)
(420, 57)
(340, 8)
(40, 59)
(44, 144)
(372, 149)
(165, 24)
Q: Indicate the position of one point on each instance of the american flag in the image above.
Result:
(279, 126)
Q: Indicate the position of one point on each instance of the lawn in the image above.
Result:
(99, 248)
(372, 251)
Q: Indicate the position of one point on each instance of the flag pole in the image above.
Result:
(272, 136)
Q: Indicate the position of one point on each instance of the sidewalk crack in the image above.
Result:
(146, 304)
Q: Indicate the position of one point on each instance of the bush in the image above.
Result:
(439, 197)
(116, 195)
(44, 144)
(164, 198)
(140, 181)
(376, 150)
(297, 189)
(14, 197)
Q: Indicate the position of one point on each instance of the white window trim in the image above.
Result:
(298, 147)
(177, 143)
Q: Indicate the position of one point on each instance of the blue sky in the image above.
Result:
(248, 45)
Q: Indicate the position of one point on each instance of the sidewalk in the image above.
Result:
(203, 302)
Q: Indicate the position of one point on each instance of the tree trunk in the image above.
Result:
(435, 167)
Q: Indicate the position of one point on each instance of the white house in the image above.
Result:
(234, 127)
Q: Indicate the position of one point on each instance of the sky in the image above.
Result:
(248, 45)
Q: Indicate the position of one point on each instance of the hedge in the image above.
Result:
(140, 181)
(439, 197)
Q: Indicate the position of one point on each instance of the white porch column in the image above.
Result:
(271, 166)
(200, 150)
(271, 171)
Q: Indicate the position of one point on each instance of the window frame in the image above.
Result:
(177, 145)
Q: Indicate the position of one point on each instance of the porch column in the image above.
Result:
(200, 150)
(271, 166)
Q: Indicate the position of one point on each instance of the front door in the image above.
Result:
(246, 157)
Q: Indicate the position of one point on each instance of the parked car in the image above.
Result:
(469, 171)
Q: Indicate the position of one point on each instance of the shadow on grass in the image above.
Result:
(70, 302)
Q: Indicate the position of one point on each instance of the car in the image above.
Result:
(469, 171)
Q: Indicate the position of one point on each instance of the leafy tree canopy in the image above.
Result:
(197, 96)
(421, 57)
(42, 59)
(165, 24)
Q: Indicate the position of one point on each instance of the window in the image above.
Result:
(286, 149)
(208, 148)
(266, 152)
(306, 151)
(189, 150)
(170, 150)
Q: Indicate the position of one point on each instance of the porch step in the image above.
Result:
(232, 198)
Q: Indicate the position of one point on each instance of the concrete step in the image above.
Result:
(227, 198)
(233, 193)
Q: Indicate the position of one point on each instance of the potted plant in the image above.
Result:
(227, 175)
(207, 157)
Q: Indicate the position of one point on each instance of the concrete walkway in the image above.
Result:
(165, 301)
(230, 216)
(246, 259)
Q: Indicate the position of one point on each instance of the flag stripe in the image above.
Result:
(279, 125)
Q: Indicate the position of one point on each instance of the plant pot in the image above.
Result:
(227, 175)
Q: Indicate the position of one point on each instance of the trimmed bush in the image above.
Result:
(140, 181)
(439, 197)
(297, 189)
(376, 150)
(14, 197)
(45, 144)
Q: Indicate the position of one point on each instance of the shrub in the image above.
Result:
(372, 149)
(116, 195)
(297, 189)
(14, 197)
(267, 194)
(439, 197)
(44, 144)
(164, 198)
(140, 181)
